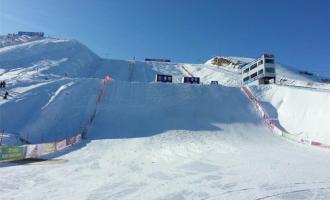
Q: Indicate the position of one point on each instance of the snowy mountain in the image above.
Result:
(150, 140)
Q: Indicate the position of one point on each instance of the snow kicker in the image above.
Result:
(14, 153)
(276, 129)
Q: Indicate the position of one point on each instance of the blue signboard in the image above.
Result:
(40, 34)
(191, 80)
(157, 60)
(163, 78)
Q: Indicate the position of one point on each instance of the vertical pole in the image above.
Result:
(42, 137)
(1, 137)
(27, 137)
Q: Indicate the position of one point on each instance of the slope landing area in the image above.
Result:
(300, 111)
(190, 142)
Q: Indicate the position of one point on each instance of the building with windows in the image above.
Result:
(260, 71)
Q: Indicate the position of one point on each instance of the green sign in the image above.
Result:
(12, 153)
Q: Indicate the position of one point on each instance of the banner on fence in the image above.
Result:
(46, 148)
(12, 153)
(32, 151)
(73, 140)
(60, 145)
(37, 150)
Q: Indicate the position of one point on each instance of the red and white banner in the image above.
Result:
(60, 145)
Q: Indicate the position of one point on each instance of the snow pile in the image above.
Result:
(51, 111)
(299, 111)
(153, 108)
(74, 59)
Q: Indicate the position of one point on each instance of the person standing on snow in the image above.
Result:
(6, 95)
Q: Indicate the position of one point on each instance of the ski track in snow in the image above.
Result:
(58, 91)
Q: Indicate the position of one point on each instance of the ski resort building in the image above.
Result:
(260, 71)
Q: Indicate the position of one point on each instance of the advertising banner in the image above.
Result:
(46, 148)
(73, 140)
(78, 138)
(60, 145)
(32, 151)
(12, 153)
(156, 60)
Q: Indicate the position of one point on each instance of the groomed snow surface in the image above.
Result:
(154, 140)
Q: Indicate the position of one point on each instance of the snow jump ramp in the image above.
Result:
(132, 109)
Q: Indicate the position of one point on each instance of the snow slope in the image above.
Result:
(57, 58)
(153, 108)
(154, 140)
(299, 110)
(209, 145)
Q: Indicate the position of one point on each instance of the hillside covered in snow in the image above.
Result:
(149, 140)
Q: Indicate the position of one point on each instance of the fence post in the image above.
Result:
(1, 137)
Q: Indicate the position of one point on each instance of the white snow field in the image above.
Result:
(154, 140)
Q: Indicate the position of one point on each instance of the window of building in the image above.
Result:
(246, 70)
(260, 71)
(261, 62)
(254, 75)
(253, 66)
(271, 61)
(246, 79)
(270, 70)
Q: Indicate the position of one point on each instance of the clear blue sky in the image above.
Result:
(296, 31)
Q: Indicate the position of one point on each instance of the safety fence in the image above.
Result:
(10, 153)
(106, 81)
(19, 152)
(272, 125)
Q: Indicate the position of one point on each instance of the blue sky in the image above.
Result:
(296, 31)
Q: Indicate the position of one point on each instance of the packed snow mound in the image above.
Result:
(145, 109)
(73, 59)
(51, 111)
(52, 57)
(299, 110)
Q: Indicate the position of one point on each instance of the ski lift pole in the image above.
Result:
(1, 138)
